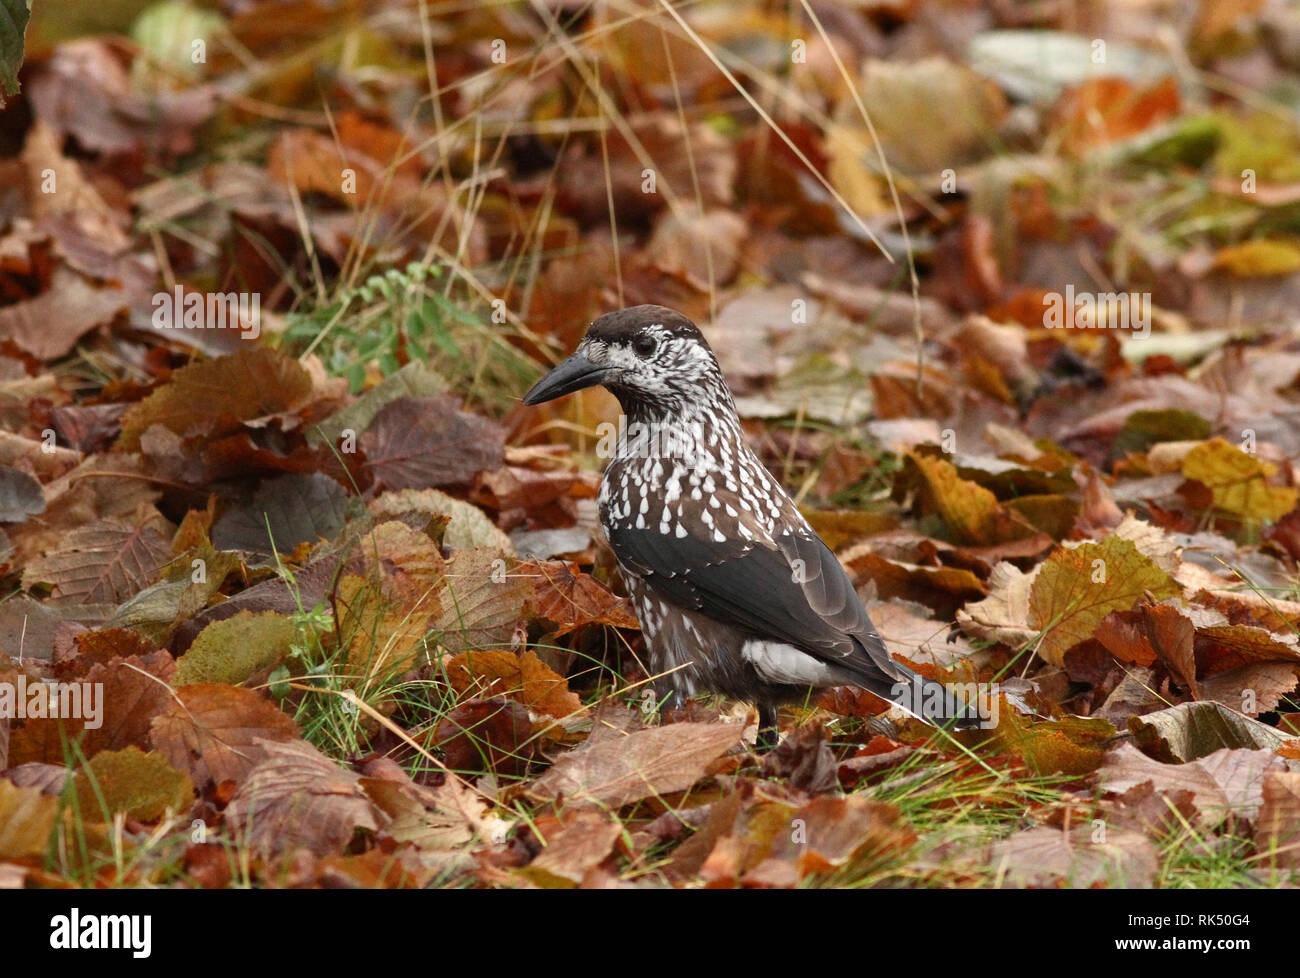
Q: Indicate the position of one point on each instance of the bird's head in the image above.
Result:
(654, 360)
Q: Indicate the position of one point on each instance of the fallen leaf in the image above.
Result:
(218, 396)
(1191, 730)
(1238, 481)
(216, 733)
(1078, 586)
(297, 797)
(573, 844)
(1052, 857)
(616, 771)
(236, 649)
(143, 786)
(418, 442)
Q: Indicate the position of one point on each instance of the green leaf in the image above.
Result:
(13, 29)
(233, 649)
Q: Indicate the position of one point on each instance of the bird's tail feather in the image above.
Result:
(935, 703)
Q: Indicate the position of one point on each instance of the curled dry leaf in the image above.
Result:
(572, 599)
(1191, 730)
(522, 677)
(1226, 783)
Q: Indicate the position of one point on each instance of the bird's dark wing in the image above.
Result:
(792, 590)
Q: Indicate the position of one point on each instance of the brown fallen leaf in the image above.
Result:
(296, 797)
(573, 599)
(805, 760)
(781, 844)
(1149, 632)
(1052, 857)
(521, 677)
(1227, 783)
(491, 735)
(482, 602)
(103, 563)
(49, 325)
(118, 700)
(216, 397)
(1277, 834)
(618, 770)
(418, 442)
(574, 843)
(26, 819)
(216, 732)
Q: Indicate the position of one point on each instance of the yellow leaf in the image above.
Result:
(1238, 481)
(1259, 259)
(1078, 586)
(971, 512)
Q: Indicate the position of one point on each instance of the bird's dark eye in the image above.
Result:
(644, 345)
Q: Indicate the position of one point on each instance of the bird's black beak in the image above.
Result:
(568, 376)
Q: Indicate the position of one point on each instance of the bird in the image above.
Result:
(735, 592)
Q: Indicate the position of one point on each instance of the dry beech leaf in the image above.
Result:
(489, 735)
(49, 325)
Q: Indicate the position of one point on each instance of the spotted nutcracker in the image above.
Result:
(735, 592)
